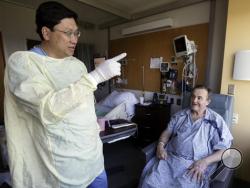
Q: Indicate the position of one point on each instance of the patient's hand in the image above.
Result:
(197, 169)
(161, 153)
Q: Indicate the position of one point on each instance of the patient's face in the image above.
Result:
(199, 100)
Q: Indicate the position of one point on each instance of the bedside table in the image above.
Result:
(151, 120)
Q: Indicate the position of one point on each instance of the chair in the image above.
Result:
(222, 104)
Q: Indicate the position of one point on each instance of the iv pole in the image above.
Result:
(189, 72)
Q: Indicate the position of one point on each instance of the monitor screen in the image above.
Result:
(164, 67)
(180, 45)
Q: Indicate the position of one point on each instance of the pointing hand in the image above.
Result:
(108, 69)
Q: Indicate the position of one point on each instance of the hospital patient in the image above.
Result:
(190, 146)
(52, 130)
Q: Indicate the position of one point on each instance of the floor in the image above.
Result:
(124, 162)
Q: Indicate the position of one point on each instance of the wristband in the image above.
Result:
(162, 143)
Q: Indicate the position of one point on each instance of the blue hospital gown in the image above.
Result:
(189, 142)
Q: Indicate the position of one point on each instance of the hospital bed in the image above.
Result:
(117, 105)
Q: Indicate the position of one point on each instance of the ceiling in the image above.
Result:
(107, 13)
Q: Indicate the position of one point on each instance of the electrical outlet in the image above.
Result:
(231, 89)
(235, 119)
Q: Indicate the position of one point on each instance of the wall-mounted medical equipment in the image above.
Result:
(160, 98)
(183, 46)
(186, 49)
(169, 81)
(164, 67)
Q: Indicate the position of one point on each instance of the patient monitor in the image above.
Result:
(187, 50)
(183, 46)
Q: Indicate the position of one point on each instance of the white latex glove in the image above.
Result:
(108, 69)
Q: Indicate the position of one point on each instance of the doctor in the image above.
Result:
(52, 131)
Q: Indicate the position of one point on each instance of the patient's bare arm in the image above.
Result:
(197, 169)
(161, 153)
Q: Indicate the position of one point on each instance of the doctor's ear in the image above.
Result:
(46, 33)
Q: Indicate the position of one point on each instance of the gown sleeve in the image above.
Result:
(176, 121)
(36, 94)
(221, 138)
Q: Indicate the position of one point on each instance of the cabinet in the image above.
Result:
(151, 120)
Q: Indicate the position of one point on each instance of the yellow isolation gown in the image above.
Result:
(52, 132)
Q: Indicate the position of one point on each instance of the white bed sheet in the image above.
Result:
(117, 105)
(118, 112)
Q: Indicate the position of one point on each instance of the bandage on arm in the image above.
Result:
(107, 69)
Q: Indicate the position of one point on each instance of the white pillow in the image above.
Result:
(130, 100)
(108, 101)
(116, 98)
(125, 96)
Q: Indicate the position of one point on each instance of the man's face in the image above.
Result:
(62, 39)
(199, 100)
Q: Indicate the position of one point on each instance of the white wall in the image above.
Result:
(18, 24)
(190, 15)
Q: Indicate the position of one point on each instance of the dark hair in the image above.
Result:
(209, 92)
(50, 14)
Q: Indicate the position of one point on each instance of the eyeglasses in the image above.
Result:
(69, 34)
